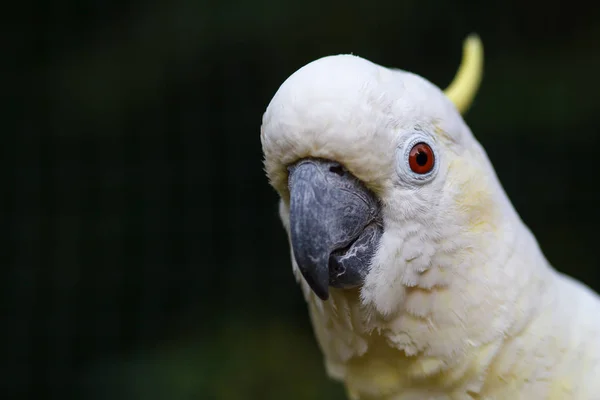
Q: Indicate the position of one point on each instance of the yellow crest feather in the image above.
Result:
(464, 87)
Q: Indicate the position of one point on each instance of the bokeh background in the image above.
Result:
(144, 258)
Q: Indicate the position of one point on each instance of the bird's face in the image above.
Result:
(375, 169)
(337, 220)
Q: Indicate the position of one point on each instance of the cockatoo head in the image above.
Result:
(383, 186)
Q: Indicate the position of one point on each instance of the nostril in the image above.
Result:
(337, 169)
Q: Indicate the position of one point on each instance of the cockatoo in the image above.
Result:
(421, 279)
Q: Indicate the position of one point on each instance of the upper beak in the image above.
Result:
(335, 225)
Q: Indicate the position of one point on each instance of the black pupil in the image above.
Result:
(421, 158)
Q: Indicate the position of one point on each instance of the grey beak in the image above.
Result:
(334, 223)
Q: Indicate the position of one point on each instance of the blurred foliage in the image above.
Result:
(145, 256)
(241, 360)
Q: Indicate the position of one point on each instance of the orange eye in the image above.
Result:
(421, 158)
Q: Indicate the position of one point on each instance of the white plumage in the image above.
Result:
(459, 301)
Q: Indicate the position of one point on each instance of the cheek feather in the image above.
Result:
(429, 243)
(383, 286)
(474, 198)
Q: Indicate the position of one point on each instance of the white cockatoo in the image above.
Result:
(421, 279)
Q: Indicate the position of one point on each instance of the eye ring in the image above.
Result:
(421, 158)
(415, 169)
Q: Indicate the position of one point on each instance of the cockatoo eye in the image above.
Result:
(416, 159)
(421, 158)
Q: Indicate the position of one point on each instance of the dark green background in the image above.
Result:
(145, 259)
